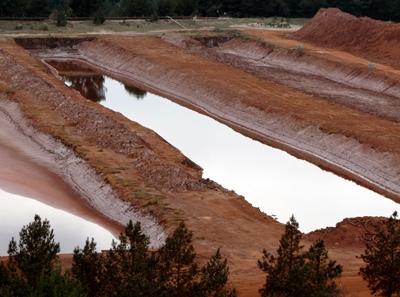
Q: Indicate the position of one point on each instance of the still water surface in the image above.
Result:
(277, 183)
(69, 230)
(26, 178)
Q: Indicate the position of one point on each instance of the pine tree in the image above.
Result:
(285, 270)
(321, 271)
(36, 252)
(130, 269)
(58, 284)
(177, 258)
(87, 268)
(11, 284)
(293, 273)
(382, 258)
(214, 277)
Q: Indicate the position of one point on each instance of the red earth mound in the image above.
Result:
(376, 40)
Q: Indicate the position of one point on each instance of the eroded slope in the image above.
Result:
(375, 40)
(321, 131)
(168, 197)
(266, 92)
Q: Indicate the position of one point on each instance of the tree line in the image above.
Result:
(387, 10)
(129, 268)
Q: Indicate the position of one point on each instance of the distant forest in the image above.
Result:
(387, 10)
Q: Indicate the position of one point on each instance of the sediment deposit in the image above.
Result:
(322, 104)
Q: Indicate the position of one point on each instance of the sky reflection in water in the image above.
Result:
(270, 179)
(69, 230)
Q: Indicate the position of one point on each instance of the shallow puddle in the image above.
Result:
(279, 184)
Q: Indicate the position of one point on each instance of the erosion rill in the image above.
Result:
(325, 141)
(141, 169)
(159, 182)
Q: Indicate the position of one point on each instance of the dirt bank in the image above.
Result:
(375, 40)
(140, 167)
(352, 89)
(61, 178)
(27, 170)
(367, 155)
(247, 84)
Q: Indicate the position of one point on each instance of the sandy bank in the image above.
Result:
(145, 171)
(38, 166)
(251, 109)
(351, 142)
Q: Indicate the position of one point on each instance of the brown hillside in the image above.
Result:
(376, 40)
(322, 105)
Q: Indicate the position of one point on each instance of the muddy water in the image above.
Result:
(28, 187)
(70, 230)
(277, 183)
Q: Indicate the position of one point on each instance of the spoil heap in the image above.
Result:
(376, 40)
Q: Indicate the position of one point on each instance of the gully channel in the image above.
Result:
(279, 184)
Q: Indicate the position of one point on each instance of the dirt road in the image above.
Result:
(321, 104)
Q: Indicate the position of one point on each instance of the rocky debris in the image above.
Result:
(213, 41)
(77, 173)
(102, 130)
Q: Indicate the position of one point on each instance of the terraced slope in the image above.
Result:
(323, 105)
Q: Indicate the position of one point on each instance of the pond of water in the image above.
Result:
(70, 230)
(28, 186)
(277, 183)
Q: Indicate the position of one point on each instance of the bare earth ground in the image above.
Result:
(322, 104)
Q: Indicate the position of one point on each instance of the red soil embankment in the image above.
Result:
(233, 85)
(311, 92)
(137, 165)
(376, 40)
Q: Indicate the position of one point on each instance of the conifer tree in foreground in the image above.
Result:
(130, 269)
(214, 276)
(293, 273)
(87, 268)
(177, 258)
(284, 271)
(321, 271)
(33, 269)
(181, 274)
(382, 258)
(36, 251)
(127, 269)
